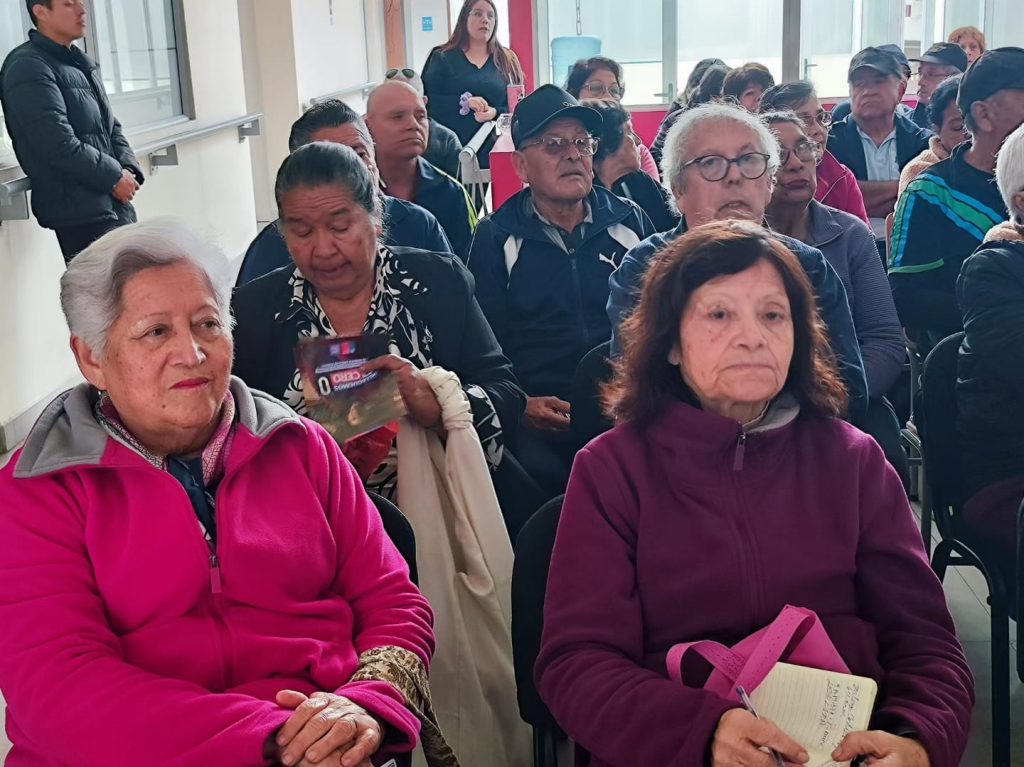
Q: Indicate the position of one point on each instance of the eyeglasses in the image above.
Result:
(556, 145)
(476, 13)
(822, 118)
(806, 151)
(637, 141)
(715, 167)
(406, 72)
(598, 88)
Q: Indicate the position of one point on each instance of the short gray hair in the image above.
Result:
(674, 156)
(92, 287)
(1010, 171)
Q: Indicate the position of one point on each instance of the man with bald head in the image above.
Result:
(397, 119)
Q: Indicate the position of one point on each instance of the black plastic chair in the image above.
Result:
(529, 583)
(399, 531)
(936, 415)
(1020, 593)
(588, 419)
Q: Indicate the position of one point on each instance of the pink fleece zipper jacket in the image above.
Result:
(116, 646)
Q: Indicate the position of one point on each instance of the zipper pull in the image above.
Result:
(214, 574)
(741, 444)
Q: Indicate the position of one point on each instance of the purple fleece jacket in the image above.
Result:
(680, 533)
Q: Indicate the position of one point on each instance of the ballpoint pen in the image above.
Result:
(750, 707)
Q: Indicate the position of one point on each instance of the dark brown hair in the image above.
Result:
(645, 382)
(584, 69)
(741, 78)
(30, 4)
(505, 59)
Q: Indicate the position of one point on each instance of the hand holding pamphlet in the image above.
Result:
(339, 395)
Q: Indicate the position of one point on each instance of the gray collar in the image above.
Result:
(824, 227)
(781, 411)
(67, 434)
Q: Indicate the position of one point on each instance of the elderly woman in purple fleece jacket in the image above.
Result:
(730, 488)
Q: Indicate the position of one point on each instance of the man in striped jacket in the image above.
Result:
(943, 215)
(542, 263)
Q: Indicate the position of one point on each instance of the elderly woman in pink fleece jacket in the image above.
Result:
(190, 573)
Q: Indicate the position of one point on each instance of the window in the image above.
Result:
(136, 45)
(659, 41)
(610, 28)
(14, 22)
(135, 42)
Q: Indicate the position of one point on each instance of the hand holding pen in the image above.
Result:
(745, 700)
(741, 736)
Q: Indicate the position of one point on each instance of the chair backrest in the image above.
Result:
(936, 419)
(399, 531)
(588, 419)
(529, 582)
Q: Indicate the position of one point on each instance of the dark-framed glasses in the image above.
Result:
(805, 151)
(393, 73)
(598, 88)
(556, 146)
(715, 167)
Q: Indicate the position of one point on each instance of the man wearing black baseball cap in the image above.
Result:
(875, 141)
(937, 63)
(542, 262)
(944, 214)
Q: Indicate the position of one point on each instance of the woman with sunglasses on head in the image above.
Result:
(466, 79)
(601, 78)
(837, 186)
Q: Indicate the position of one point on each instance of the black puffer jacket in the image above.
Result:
(65, 135)
(990, 373)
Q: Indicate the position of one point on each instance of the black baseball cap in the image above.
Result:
(877, 59)
(999, 69)
(945, 54)
(898, 54)
(547, 103)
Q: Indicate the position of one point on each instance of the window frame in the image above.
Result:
(188, 111)
(793, 53)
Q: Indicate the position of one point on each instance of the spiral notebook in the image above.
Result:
(816, 708)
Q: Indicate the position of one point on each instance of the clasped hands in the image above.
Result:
(482, 111)
(325, 729)
(740, 736)
(126, 187)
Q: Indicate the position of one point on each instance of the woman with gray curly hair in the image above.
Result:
(185, 558)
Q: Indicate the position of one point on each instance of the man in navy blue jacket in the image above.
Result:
(876, 140)
(719, 161)
(406, 224)
(542, 263)
(67, 140)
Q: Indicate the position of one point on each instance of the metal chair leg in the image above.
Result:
(1000, 622)
(926, 510)
(940, 558)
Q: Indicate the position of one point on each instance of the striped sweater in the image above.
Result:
(940, 219)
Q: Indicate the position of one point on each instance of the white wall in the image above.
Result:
(295, 51)
(418, 41)
(211, 189)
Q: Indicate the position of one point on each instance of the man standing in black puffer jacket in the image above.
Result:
(83, 172)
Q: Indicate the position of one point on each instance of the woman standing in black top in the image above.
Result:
(471, 62)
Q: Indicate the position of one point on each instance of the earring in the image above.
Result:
(673, 357)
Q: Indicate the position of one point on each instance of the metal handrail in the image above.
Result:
(249, 123)
(161, 152)
(363, 89)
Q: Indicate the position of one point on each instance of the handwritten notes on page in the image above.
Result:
(816, 708)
